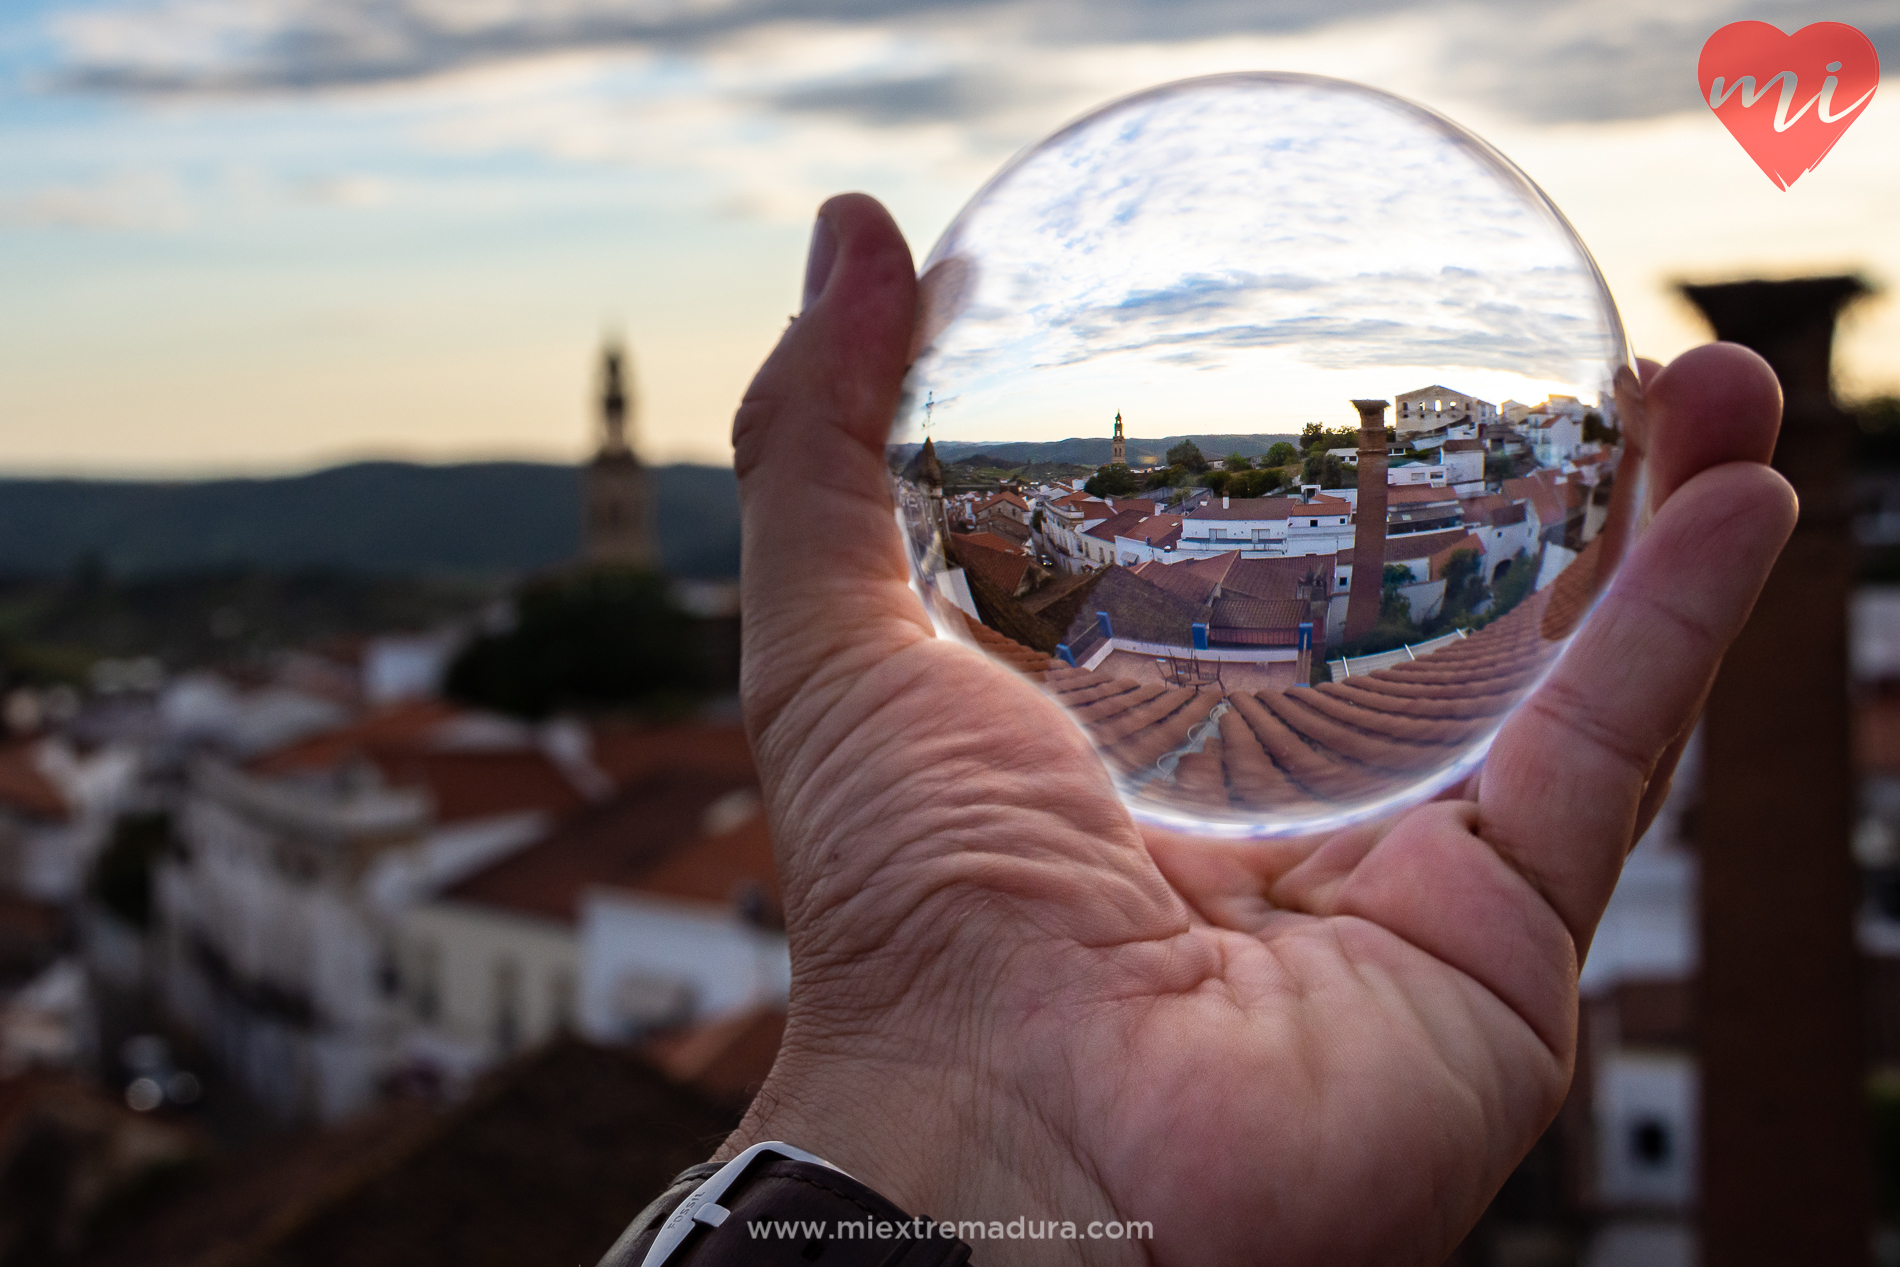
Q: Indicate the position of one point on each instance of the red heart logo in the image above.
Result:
(1787, 98)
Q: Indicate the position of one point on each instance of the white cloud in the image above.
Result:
(143, 201)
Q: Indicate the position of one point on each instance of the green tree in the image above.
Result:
(1327, 471)
(1237, 461)
(1279, 454)
(1464, 589)
(1112, 481)
(121, 878)
(1594, 428)
(605, 638)
(1188, 454)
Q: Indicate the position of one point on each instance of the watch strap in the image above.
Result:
(783, 1212)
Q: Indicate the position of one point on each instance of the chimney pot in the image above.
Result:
(1223, 501)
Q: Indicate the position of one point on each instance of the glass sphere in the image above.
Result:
(1281, 430)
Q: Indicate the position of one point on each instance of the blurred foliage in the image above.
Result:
(1279, 454)
(478, 519)
(1188, 454)
(1328, 471)
(589, 641)
(1237, 461)
(121, 879)
(1112, 481)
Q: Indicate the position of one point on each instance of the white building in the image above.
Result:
(655, 911)
(1464, 465)
(1430, 408)
(1267, 527)
(277, 926)
(1554, 438)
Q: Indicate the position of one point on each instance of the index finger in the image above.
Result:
(1564, 780)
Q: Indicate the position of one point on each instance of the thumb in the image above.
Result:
(822, 566)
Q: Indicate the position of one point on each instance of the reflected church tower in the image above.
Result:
(619, 490)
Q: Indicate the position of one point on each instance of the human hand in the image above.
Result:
(1008, 999)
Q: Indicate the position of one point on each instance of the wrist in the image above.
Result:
(930, 1139)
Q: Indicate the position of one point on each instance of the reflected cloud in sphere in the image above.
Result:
(1244, 261)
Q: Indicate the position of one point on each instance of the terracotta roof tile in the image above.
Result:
(1271, 508)
(24, 789)
(624, 843)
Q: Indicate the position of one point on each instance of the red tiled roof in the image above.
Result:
(1145, 505)
(1271, 508)
(1261, 622)
(986, 540)
(1156, 530)
(1118, 524)
(1000, 498)
(629, 753)
(466, 785)
(1277, 578)
(1411, 545)
(712, 868)
(726, 1058)
(24, 789)
(406, 725)
(1179, 579)
(1303, 747)
(1417, 495)
(643, 832)
(1877, 734)
(1545, 496)
(1003, 570)
(1463, 446)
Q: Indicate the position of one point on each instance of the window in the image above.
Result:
(507, 1001)
(561, 1000)
(1312, 523)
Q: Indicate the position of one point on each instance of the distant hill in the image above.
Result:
(480, 519)
(1094, 451)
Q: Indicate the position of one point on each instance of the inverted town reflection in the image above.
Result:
(1186, 364)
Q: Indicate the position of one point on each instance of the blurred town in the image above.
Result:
(451, 941)
(473, 925)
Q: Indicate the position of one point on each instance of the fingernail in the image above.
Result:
(818, 261)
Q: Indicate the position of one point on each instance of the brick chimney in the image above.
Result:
(1784, 1151)
(1368, 538)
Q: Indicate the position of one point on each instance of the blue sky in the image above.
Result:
(268, 234)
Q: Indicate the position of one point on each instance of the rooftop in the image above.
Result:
(657, 837)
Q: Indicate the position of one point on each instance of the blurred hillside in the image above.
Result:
(1093, 451)
(475, 520)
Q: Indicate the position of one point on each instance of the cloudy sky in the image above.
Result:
(261, 235)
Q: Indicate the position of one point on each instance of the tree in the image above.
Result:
(1464, 588)
(1219, 481)
(1111, 481)
(1188, 454)
(1237, 461)
(1327, 471)
(604, 638)
(1279, 454)
(1594, 428)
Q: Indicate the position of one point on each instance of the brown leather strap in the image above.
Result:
(793, 1214)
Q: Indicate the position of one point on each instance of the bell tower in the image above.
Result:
(619, 523)
(1119, 453)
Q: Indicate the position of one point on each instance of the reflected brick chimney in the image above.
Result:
(1785, 1174)
(1368, 538)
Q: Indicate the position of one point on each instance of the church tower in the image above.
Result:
(1119, 455)
(619, 490)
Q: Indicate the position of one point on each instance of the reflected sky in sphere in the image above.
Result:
(1239, 259)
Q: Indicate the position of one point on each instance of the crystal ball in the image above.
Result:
(1281, 430)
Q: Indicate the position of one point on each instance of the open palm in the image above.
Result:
(1011, 1001)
